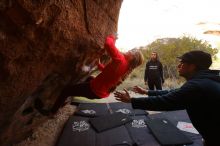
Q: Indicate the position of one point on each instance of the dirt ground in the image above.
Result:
(48, 133)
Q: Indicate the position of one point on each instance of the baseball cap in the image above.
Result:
(201, 59)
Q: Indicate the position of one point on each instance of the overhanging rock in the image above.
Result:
(43, 46)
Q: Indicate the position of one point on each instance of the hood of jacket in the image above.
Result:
(208, 74)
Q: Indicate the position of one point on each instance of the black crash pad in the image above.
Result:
(79, 132)
(100, 109)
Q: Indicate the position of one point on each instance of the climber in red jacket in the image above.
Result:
(111, 75)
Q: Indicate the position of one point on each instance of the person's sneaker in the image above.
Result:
(74, 103)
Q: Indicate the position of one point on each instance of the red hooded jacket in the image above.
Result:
(112, 73)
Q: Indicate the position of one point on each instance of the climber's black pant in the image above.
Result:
(154, 83)
(82, 89)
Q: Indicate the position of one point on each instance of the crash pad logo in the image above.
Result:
(138, 123)
(124, 111)
(91, 112)
(80, 126)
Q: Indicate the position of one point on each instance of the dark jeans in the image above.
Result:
(154, 83)
(82, 89)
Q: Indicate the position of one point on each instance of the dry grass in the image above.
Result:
(131, 82)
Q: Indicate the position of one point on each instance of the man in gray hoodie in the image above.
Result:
(199, 95)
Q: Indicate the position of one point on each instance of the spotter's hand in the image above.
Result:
(138, 89)
(123, 96)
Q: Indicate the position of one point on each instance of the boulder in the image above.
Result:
(44, 45)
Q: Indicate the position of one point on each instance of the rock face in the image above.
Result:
(45, 44)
